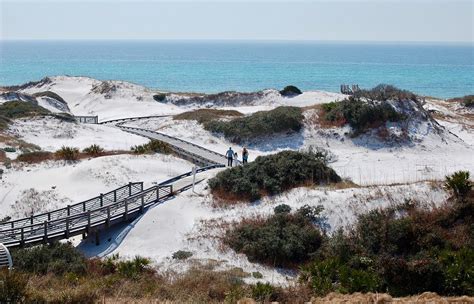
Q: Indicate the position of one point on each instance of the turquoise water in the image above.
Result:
(209, 66)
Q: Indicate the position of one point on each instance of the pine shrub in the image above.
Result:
(459, 184)
(290, 91)
(259, 124)
(272, 174)
(67, 153)
(93, 150)
(283, 239)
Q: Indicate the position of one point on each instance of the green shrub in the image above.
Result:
(132, 268)
(206, 115)
(283, 208)
(271, 174)
(34, 157)
(263, 292)
(9, 149)
(4, 123)
(283, 239)
(18, 109)
(360, 115)
(403, 251)
(93, 150)
(159, 97)
(57, 258)
(459, 184)
(467, 101)
(67, 153)
(12, 286)
(257, 275)
(154, 146)
(264, 123)
(458, 271)
(182, 255)
(333, 275)
(290, 91)
(384, 92)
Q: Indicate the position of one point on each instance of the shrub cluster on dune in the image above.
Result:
(272, 174)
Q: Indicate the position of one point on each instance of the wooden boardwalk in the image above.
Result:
(117, 206)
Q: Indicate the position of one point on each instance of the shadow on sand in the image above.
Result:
(111, 238)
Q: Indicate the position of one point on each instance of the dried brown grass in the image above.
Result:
(379, 298)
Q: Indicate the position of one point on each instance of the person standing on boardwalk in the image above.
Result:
(230, 157)
(245, 156)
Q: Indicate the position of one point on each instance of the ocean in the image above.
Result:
(441, 70)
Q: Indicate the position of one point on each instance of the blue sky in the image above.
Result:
(350, 20)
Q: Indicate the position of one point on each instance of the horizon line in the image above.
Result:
(233, 40)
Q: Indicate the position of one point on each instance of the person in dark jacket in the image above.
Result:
(230, 156)
(245, 156)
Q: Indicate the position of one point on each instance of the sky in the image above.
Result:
(326, 20)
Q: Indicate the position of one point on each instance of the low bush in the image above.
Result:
(360, 115)
(259, 124)
(206, 115)
(154, 146)
(57, 258)
(4, 123)
(159, 97)
(290, 91)
(264, 292)
(132, 268)
(35, 157)
(467, 101)
(271, 174)
(404, 250)
(94, 150)
(67, 153)
(18, 109)
(9, 149)
(283, 239)
(182, 255)
(384, 92)
(459, 184)
(12, 286)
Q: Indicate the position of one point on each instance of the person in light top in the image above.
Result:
(230, 156)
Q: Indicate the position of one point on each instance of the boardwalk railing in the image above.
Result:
(91, 204)
(118, 120)
(101, 212)
(187, 154)
(85, 222)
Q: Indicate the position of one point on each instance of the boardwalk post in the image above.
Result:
(22, 241)
(67, 228)
(101, 198)
(126, 210)
(84, 207)
(107, 222)
(49, 216)
(97, 238)
(142, 206)
(88, 229)
(68, 210)
(45, 227)
(115, 195)
(130, 189)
